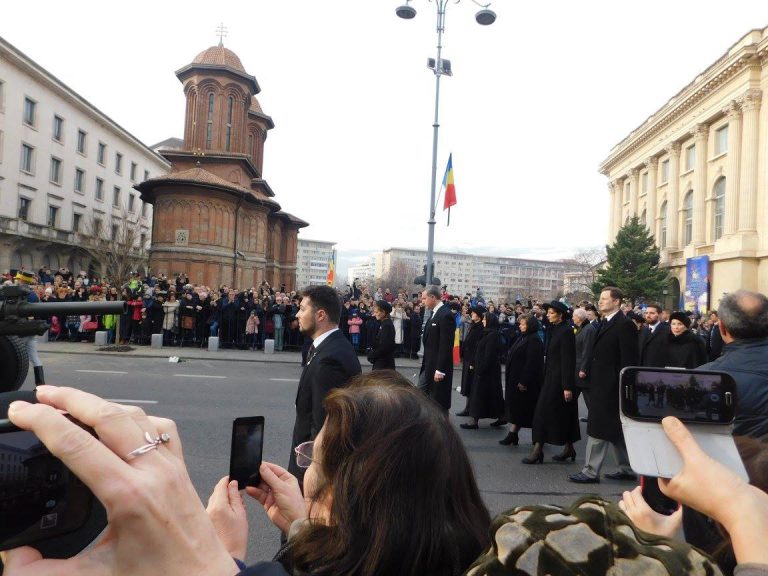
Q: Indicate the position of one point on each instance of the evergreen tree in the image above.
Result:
(632, 264)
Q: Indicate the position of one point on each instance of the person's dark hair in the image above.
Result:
(745, 314)
(590, 307)
(655, 306)
(403, 497)
(324, 298)
(433, 291)
(616, 294)
(491, 321)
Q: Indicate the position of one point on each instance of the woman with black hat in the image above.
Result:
(523, 377)
(485, 396)
(382, 352)
(556, 419)
(685, 349)
(468, 351)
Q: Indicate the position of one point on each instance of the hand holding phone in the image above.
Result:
(247, 447)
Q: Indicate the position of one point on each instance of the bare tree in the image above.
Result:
(400, 274)
(586, 264)
(117, 242)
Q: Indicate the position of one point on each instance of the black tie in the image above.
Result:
(311, 353)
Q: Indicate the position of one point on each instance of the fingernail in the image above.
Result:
(17, 406)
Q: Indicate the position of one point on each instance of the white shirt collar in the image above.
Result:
(608, 318)
(437, 307)
(319, 340)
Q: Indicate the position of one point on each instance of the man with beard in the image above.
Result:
(331, 363)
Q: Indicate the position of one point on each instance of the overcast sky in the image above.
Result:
(536, 102)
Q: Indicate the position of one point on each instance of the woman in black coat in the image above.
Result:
(684, 348)
(523, 377)
(485, 396)
(468, 351)
(382, 352)
(556, 419)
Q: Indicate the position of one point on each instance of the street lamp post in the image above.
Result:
(440, 67)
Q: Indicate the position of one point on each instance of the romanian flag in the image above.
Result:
(457, 341)
(331, 273)
(450, 189)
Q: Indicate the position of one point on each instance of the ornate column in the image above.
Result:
(650, 201)
(673, 196)
(750, 106)
(733, 113)
(618, 188)
(634, 180)
(700, 134)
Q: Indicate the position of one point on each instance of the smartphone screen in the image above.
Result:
(39, 497)
(699, 397)
(247, 445)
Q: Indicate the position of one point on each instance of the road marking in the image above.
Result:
(199, 376)
(125, 401)
(283, 379)
(102, 371)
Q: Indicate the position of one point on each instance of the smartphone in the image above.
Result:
(42, 503)
(247, 447)
(693, 396)
(705, 401)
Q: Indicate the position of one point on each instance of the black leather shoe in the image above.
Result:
(464, 412)
(510, 438)
(581, 478)
(620, 476)
(499, 422)
(469, 426)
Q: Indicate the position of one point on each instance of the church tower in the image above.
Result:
(214, 214)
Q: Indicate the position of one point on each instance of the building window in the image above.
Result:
(644, 183)
(102, 153)
(209, 123)
(27, 159)
(97, 224)
(142, 241)
(115, 231)
(30, 112)
(55, 175)
(58, 128)
(143, 209)
(24, 205)
(230, 108)
(2, 96)
(53, 216)
(79, 180)
(81, 135)
(643, 219)
(719, 213)
(99, 189)
(626, 192)
(76, 221)
(665, 172)
(116, 197)
(131, 202)
(690, 157)
(688, 218)
(146, 175)
(118, 163)
(721, 140)
(133, 171)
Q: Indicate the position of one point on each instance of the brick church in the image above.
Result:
(215, 217)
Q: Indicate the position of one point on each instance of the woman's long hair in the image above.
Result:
(402, 495)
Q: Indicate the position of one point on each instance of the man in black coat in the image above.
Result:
(436, 374)
(653, 338)
(614, 348)
(331, 363)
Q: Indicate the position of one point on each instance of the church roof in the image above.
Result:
(256, 110)
(219, 56)
(255, 106)
(200, 177)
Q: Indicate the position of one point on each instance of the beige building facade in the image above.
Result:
(696, 173)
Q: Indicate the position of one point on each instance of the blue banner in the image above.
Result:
(696, 296)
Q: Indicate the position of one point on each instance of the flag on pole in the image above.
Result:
(450, 189)
(331, 273)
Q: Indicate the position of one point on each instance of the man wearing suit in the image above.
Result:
(437, 362)
(614, 348)
(653, 338)
(331, 363)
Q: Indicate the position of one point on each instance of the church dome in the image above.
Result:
(219, 56)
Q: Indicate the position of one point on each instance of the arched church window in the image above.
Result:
(230, 108)
(209, 125)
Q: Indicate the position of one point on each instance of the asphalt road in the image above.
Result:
(204, 396)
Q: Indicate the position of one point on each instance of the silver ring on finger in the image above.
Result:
(152, 444)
